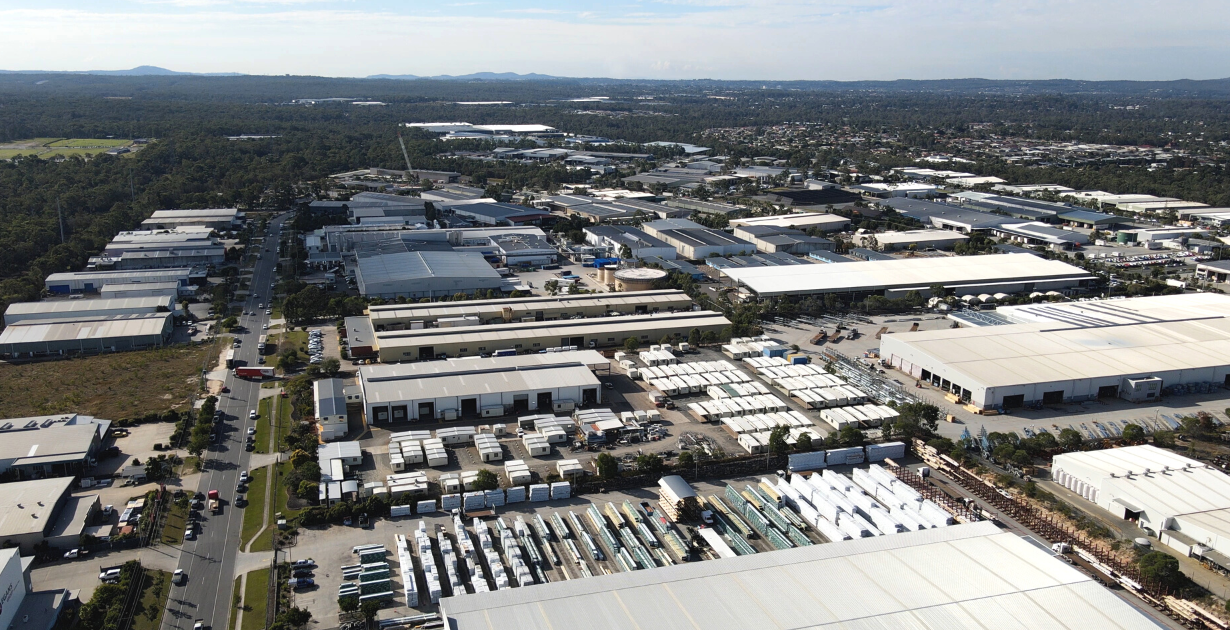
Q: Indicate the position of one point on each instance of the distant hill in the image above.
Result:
(476, 76)
(139, 71)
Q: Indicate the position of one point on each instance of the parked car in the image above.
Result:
(75, 553)
(110, 574)
(306, 562)
(251, 430)
(252, 414)
(179, 577)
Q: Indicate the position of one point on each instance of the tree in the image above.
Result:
(665, 339)
(330, 367)
(486, 480)
(851, 436)
(298, 457)
(777, 440)
(686, 459)
(1162, 569)
(631, 344)
(803, 444)
(924, 414)
(1070, 439)
(649, 463)
(1003, 453)
(1133, 434)
(370, 609)
(349, 603)
(608, 466)
(309, 490)
(295, 617)
(1163, 439)
(1021, 458)
(694, 337)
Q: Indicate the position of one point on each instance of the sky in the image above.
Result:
(638, 39)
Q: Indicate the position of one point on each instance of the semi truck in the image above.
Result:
(257, 373)
(213, 504)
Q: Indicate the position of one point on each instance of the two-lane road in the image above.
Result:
(209, 561)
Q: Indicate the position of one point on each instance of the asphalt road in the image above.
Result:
(209, 561)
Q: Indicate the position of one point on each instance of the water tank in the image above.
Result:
(608, 273)
(637, 279)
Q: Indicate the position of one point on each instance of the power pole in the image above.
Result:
(60, 216)
(404, 154)
(132, 192)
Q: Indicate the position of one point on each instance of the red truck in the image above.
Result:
(213, 504)
(254, 372)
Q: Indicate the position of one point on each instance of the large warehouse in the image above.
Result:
(694, 241)
(71, 309)
(474, 388)
(420, 274)
(50, 446)
(94, 281)
(216, 218)
(86, 335)
(535, 308)
(39, 510)
(973, 576)
(1052, 353)
(1001, 273)
(1183, 502)
(430, 343)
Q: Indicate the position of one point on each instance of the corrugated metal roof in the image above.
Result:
(494, 308)
(965, 576)
(330, 397)
(906, 272)
(58, 308)
(105, 327)
(460, 377)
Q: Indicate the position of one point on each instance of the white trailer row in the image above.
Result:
(868, 415)
(766, 421)
(771, 374)
(518, 472)
(741, 347)
(406, 563)
(825, 397)
(655, 357)
(737, 390)
(817, 460)
(717, 409)
(758, 442)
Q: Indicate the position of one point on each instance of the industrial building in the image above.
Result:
(694, 241)
(481, 387)
(911, 239)
(827, 197)
(1055, 353)
(772, 239)
(514, 250)
(44, 510)
(799, 220)
(220, 219)
(75, 309)
(123, 290)
(1037, 233)
(640, 245)
(1006, 273)
(86, 335)
(50, 446)
(36, 610)
(1214, 270)
(94, 281)
(948, 217)
(722, 264)
(491, 212)
(1183, 502)
(420, 274)
(971, 576)
(411, 345)
(329, 407)
(533, 308)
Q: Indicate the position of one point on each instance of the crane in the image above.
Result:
(404, 154)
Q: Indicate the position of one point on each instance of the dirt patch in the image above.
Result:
(112, 386)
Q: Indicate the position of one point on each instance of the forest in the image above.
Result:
(191, 164)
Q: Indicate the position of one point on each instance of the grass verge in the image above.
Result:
(148, 615)
(236, 602)
(113, 386)
(256, 600)
(284, 422)
(173, 528)
(262, 425)
(255, 510)
(280, 496)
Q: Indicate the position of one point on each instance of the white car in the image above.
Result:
(269, 311)
(243, 476)
(252, 414)
(251, 430)
(109, 574)
(179, 577)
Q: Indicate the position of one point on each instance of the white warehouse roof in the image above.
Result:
(457, 377)
(919, 273)
(1080, 340)
(964, 576)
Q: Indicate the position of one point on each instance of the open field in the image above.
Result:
(111, 386)
(48, 148)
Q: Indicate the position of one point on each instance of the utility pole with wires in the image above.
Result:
(405, 155)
